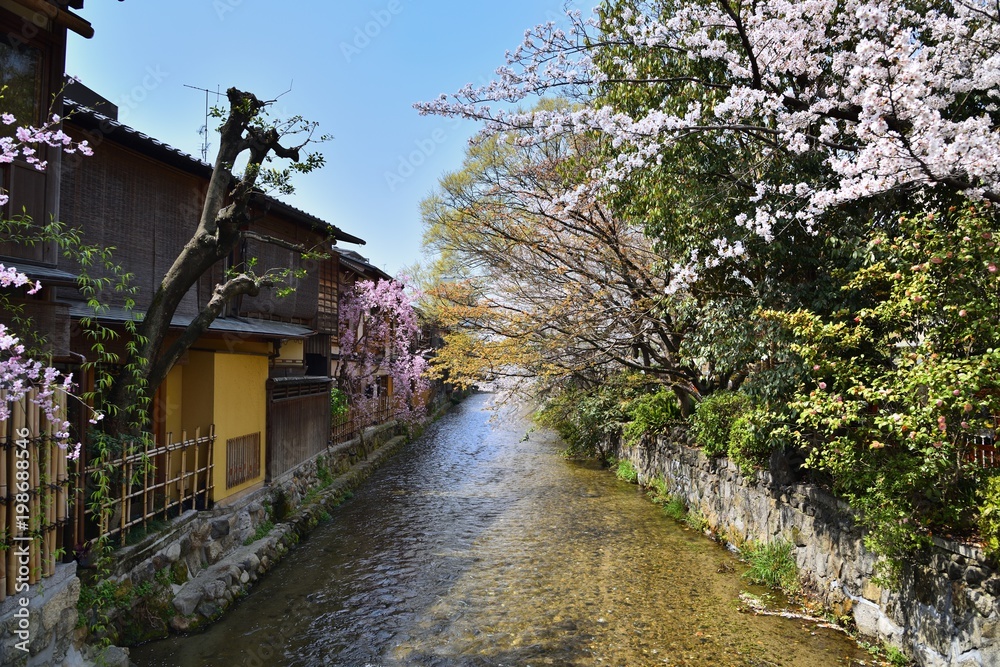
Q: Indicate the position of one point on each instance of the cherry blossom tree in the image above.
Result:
(891, 96)
(378, 328)
(21, 376)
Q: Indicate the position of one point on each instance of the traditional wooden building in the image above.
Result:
(260, 374)
(249, 401)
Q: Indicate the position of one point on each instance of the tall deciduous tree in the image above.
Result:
(554, 291)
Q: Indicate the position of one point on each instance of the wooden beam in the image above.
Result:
(60, 16)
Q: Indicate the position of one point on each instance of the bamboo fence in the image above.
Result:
(150, 481)
(34, 494)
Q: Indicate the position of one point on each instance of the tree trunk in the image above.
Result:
(223, 218)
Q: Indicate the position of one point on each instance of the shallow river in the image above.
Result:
(479, 545)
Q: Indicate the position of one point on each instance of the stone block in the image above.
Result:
(214, 551)
(173, 552)
(188, 600)
(866, 617)
(180, 623)
(871, 592)
(114, 656)
(220, 528)
(889, 630)
(208, 609)
(975, 576)
(214, 589)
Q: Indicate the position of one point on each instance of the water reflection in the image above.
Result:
(478, 546)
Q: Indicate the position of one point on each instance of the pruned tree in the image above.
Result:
(247, 133)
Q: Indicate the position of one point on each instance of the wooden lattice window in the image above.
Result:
(242, 459)
(326, 305)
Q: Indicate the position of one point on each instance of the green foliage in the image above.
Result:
(771, 565)
(338, 404)
(989, 516)
(676, 509)
(323, 472)
(750, 443)
(695, 521)
(261, 532)
(624, 403)
(657, 491)
(649, 414)
(626, 472)
(886, 653)
(895, 657)
(900, 386)
(585, 419)
(713, 420)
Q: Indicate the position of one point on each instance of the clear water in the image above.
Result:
(477, 545)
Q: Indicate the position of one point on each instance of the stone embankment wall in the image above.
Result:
(946, 609)
(48, 625)
(206, 560)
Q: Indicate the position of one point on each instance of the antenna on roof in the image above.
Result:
(204, 128)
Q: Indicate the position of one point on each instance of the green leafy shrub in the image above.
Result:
(676, 509)
(749, 440)
(657, 490)
(713, 419)
(771, 565)
(650, 413)
(902, 381)
(626, 472)
(695, 520)
(989, 516)
(586, 419)
(338, 404)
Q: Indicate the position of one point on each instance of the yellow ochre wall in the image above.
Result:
(228, 390)
(292, 350)
(198, 387)
(240, 409)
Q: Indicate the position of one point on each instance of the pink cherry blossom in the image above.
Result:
(876, 89)
(377, 328)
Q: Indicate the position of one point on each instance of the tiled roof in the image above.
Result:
(359, 264)
(238, 325)
(94, 121)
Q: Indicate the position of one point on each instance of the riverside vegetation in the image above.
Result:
(776, 221)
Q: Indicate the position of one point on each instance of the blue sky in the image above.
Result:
(355, 67)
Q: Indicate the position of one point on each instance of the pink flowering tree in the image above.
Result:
(23, 377)
(378, 332)
(777, 153)
(889, 97)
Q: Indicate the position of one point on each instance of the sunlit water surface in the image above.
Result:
(480, 545)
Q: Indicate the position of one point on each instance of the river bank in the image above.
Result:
(944, 611)
(479, 544)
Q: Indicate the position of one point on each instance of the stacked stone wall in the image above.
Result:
(944, 611)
